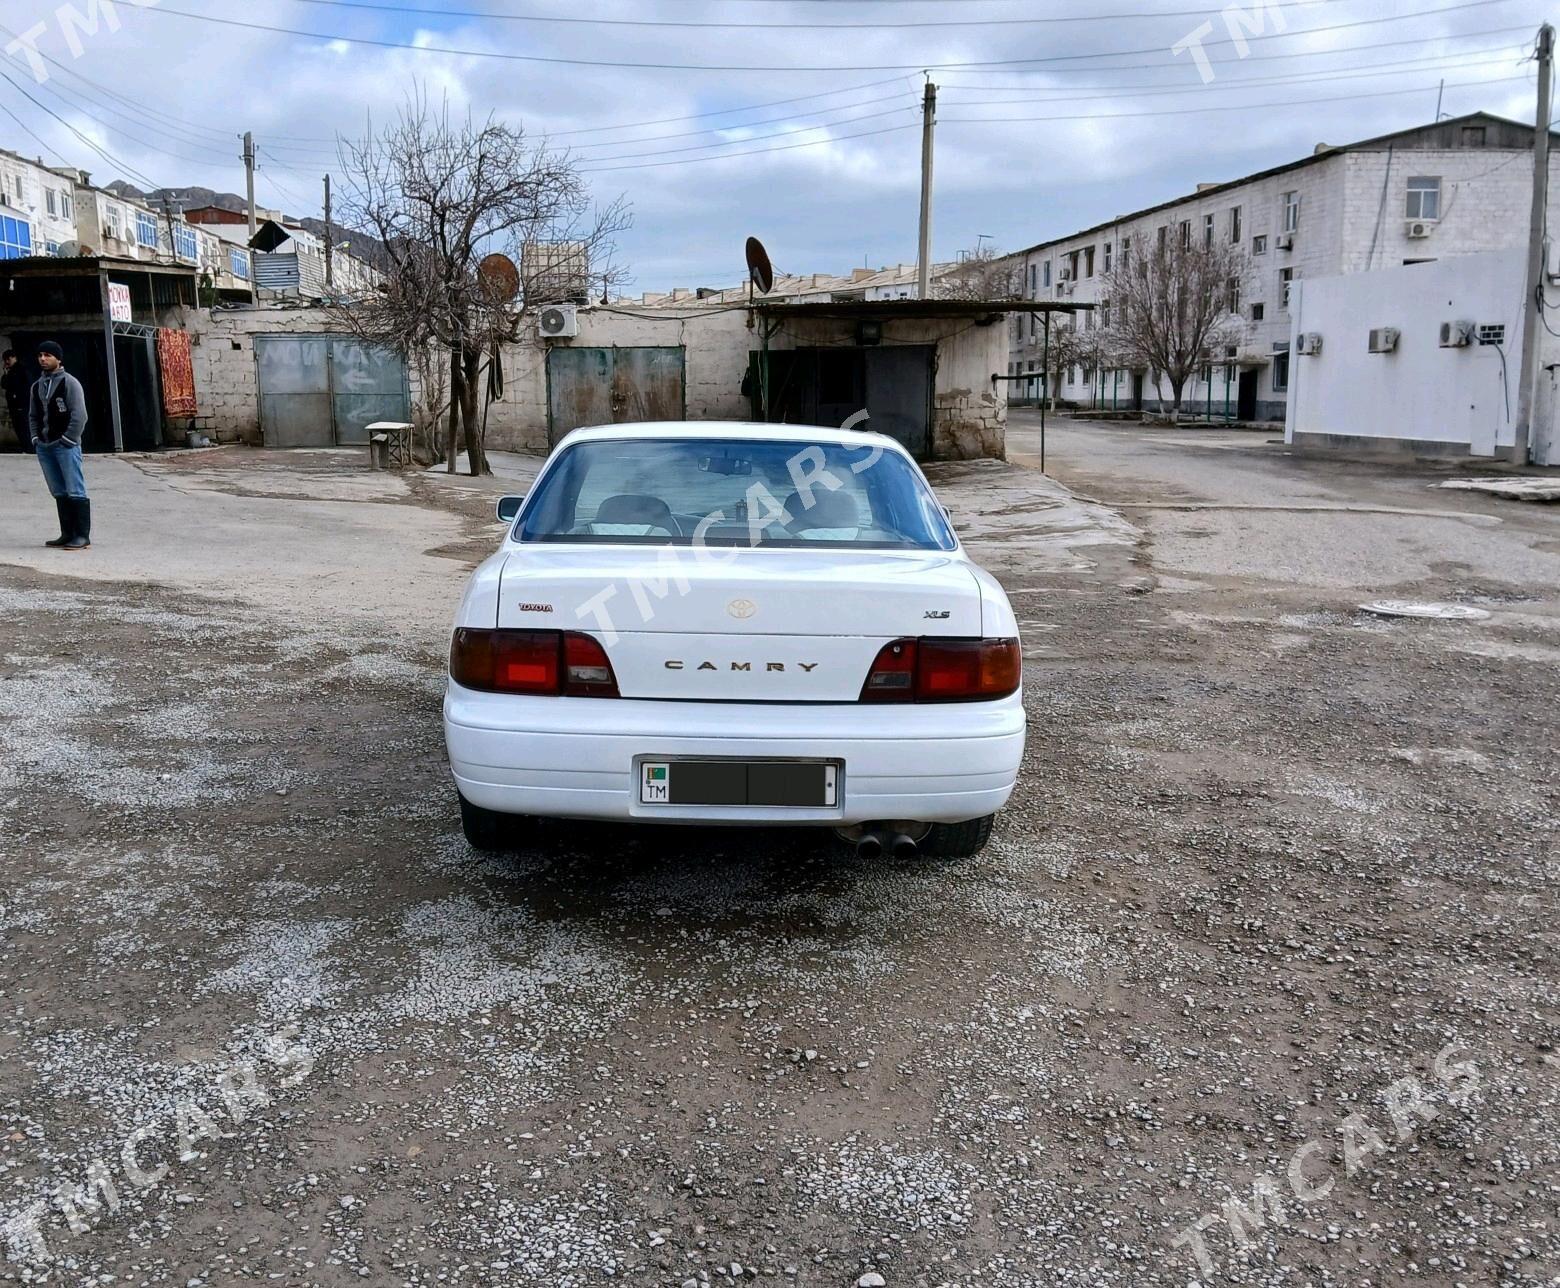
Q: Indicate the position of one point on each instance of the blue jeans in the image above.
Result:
(61, 462)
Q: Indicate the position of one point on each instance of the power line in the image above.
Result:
(738, 67)
(651, 165)
(1067, 93)
(1226, 107)
(488, 15)
(106, 155)
(796, 129)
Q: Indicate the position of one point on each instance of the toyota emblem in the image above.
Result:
(741, 608)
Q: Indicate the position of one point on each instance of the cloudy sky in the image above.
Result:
(795, 120)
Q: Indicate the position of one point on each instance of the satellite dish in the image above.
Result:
(760, 271)
(499, 277)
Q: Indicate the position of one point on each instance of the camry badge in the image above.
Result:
(742, 609)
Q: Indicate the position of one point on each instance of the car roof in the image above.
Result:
(755, 430)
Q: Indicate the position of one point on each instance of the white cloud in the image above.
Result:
(844, 201)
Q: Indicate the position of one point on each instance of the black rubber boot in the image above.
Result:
(81, 523)
(62, 504)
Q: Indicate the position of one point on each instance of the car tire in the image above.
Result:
(958, 840)
(486, 829)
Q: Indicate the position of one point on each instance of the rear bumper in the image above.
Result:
(577, 757)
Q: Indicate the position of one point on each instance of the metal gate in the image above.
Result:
(324, 391)
(588, 386)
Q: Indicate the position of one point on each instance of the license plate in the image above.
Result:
(737, 782)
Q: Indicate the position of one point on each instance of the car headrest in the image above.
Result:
(828, 510)
(635, 507)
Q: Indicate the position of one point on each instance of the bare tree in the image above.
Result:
(440, 194)
(1067, 347)
(980, 274)
(1173, 307)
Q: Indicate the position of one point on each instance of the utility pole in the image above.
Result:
(928, 123)
(249, 178)
(1533, 309)
(330, 276)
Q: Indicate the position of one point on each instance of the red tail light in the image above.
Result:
(944, 670)
(587, 671)
(540, 662)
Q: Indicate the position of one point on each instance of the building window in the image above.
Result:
(146, 229)
(19, 196)
(1259, 244)
(1258, 312)
(1088, 261)
(1045, 274)
(1105, 315)
(1208, 230)
(49, 201)
(1186, 233)
(15, 238)
(185, 244)
(1424, 198)
(1164, 231)
(51, 248)
(1291, 212)
(1234, 295)
(1034, 278)
(1126, 250)
(1107, 257)
(111, 222)
(1280, 366)
(1286, 279)
(238, 261)
(1473, 136)
(67, 206)
(1234, 225)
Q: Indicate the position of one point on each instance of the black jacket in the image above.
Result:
(15, 383)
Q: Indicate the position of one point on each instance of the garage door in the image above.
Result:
(587, 386)
(323, 391)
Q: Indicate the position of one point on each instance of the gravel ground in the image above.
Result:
(1269, 857)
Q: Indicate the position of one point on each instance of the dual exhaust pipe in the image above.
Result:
(874, 843)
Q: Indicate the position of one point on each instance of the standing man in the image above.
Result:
(57, 417)
(14, 381)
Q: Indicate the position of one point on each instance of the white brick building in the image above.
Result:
(1418, 195)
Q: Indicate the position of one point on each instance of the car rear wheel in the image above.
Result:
(958, 840)
(487, 829)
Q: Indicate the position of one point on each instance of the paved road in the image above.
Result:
(1219, 504)
(1267, 859)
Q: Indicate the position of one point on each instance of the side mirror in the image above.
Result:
(508, 507)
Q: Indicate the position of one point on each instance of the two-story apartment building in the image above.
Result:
(37, 208)
(1457, 187)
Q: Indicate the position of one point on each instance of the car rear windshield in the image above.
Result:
(734, 492)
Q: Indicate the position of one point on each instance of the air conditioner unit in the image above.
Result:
(1310, 343)
(558, 322)
(1285, 241)
(1418, 228)
(1384, 339)
(1456, 335)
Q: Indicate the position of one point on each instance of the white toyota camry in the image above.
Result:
(754, 625)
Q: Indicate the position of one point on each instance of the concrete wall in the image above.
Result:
(1421, 397)
(970, 417)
